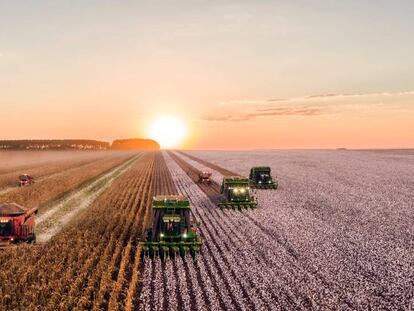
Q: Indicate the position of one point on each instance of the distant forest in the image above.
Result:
(79, 144)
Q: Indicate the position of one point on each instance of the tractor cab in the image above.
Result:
(235, 192)
(261, 178)
(173, 231)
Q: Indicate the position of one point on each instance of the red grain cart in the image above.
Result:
(16, 224)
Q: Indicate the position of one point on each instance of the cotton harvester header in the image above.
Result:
(261, 178)
(235, 192)
(173, 232)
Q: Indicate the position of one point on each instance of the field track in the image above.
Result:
(45, 167)
(163, 182)
(45, 191)
(8, 182)
(49, 223)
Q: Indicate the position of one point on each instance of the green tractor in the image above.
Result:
(235, 192)
(173, 232)
(261, 178)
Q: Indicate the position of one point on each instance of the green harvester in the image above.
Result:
(235, 191)
(173, 232)
(261, 178)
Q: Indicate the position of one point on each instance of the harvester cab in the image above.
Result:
(235, 192)
(204, 177)
(173, 232)
(25, 180)
(16, 224)
(261, 178)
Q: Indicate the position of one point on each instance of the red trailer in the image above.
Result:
(16, 224)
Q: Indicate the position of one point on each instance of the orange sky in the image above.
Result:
(239, 74)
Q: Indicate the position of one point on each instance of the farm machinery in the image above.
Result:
(173, 232)
(16, 224)
(204, 177)
(261, 178)
(235, 193)
(25, 180)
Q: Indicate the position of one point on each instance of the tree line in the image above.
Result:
(54, 144)
(79, 144)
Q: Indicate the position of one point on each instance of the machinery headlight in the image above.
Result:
(270, 181)
(260, 181)
(162, 235)
(185, 235)
(236, 190)
(242, 190)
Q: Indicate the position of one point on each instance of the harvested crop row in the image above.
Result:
(218, 279)
(48, 190)
(23, 160)
(232, 259)
(213, 166)
(341, 219)
(240, 233)
(163, 183)
(300, 281)
(155, 272)
(93, 263)
(42, 171)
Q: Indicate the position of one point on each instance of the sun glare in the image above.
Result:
(168, 131)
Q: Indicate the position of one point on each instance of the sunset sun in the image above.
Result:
(168, 131)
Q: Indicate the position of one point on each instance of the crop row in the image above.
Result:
(345, 222)
(235, 270)
(91, 264)
(47, 190)
(41, 171)
(26, 160)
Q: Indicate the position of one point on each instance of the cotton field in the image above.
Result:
(342, 219)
